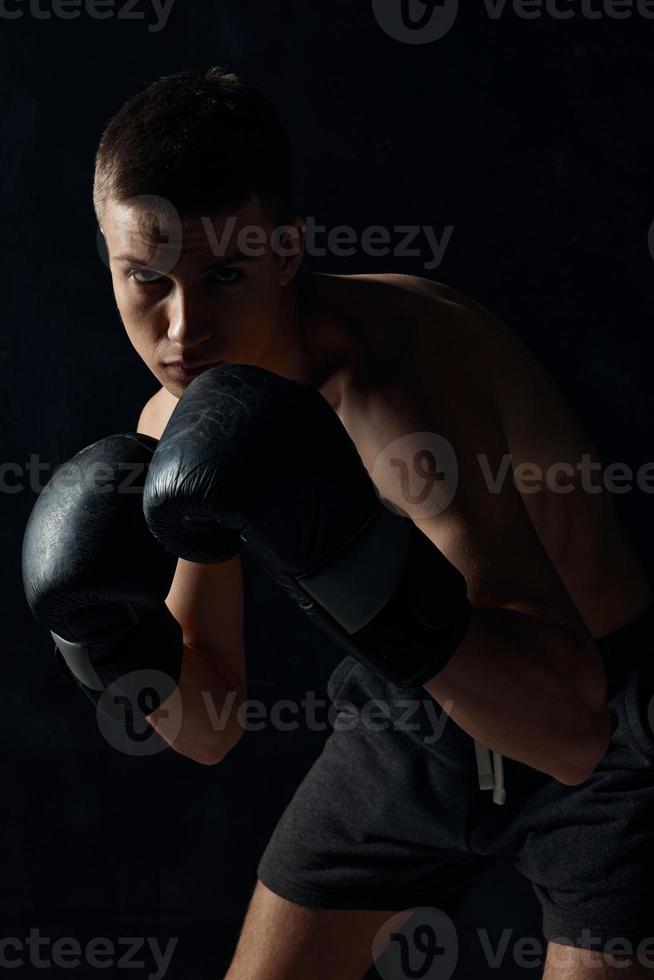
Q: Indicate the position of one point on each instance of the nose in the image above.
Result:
(188, 322)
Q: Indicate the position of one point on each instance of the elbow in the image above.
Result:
(588, 750)
(208, 751)
(208, 759)
(594, 728)
(213, 754)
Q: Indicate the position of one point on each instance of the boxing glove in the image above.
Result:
(248, 454)
(97, 579)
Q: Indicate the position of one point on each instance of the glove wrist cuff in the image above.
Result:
(391, 599)
(153, 646)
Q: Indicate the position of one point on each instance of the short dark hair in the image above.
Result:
(204, 141)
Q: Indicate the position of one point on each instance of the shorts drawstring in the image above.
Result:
(491, 772)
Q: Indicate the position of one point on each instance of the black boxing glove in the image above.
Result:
(95, 576)
(249, 454)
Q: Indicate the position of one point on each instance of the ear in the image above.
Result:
(101, 245)
(289, 243)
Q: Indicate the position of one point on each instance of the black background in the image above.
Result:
(533, 139)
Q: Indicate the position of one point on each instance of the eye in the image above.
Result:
(236, 275)
(156, 277)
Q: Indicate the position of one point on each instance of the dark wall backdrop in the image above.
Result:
(533, 138)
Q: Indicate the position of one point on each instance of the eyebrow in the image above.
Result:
(225, 260)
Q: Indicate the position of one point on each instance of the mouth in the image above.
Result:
(180, 369)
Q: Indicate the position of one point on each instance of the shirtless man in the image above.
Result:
(557, 596)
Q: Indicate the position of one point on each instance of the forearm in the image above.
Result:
(529, 690)
(200, 719)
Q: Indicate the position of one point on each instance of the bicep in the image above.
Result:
(552, 454)
(559, 474)
(478, 519)
(491, 540)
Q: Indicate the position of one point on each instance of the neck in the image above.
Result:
(309, 343)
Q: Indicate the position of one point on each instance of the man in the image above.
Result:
(186, 175)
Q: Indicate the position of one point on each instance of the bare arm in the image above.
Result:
(517, 685)
(527, 681)
(200, 719)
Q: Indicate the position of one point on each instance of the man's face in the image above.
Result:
(199, 289)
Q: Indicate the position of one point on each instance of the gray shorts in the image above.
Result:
(390, 816)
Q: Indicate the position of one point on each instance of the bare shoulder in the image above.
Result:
(420, 336)
(414, 293)
(408, 313)
(453, 339)
(480, 380)
(156, 413)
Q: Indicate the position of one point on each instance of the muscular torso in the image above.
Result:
(413, 343)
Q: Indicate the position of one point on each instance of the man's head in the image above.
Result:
(182, 171)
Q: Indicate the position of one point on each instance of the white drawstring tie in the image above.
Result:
(491, 772)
